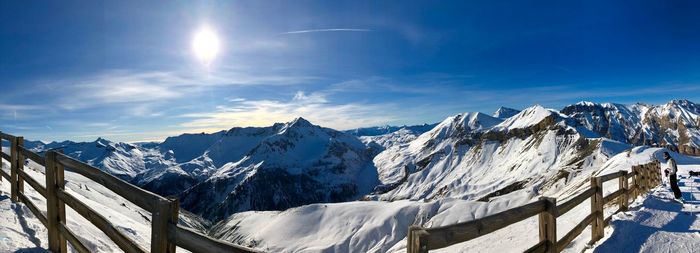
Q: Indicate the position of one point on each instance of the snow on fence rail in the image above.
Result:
(166, 233)
(643, 177)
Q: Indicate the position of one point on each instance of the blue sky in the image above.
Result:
(125, 70)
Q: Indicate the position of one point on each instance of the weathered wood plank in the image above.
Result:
(575, 201)
(571, 235)
(440, 237)
(52, 203)
(61, 186)
(610, 176)
(20, 162)
(174, 219)
(39, 215)
(6, 156)
(410, 247)
(100, 222)
(612, 196)
(548, 224)
(6, 136)
(32, 182)
(597, 209)
(624, 199)
(70, 236)
(32, 156)
(136, 195)
(196, 242)
(14, 181)
(5, 175)
(159, 226)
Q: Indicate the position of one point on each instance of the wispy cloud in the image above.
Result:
(314, 107)
(142, 88)
(328, 30)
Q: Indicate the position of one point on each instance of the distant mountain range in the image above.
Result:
(469, 156)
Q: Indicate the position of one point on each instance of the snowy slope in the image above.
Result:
(656, 223)
(505, 112)
(300, 164)
(21, 230)
(453, 131)
(675, 124)
(475, 156)
(186, 147)
(379, 143)
(382, 130)
(117, 158)
(379, 226)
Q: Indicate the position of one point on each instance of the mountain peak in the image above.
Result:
(586, 103)
(528, 117)
(300, 122)
(102, 140)
(505, 112)
(682, 102)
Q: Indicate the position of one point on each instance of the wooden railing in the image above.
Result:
(643, 177)
(166, 234)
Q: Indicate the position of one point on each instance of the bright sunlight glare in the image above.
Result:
(205, 44)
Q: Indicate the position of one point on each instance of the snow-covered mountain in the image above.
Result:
(505, 112)
(382, 130)
(475, 156)
(470, 155)
(299, 163)
(674, 124)
(430, 175)
(117, 158)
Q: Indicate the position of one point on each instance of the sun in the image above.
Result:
(205, 44)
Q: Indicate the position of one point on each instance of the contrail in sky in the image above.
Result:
(328, 30)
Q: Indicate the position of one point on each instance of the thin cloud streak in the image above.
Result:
(328, 30)
(314, 107)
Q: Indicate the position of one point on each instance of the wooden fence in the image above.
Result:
(166, 234)
(643, 178)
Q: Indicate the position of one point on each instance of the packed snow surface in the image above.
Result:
(21, 231)
(657, 223)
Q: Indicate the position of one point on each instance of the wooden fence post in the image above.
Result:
(55, 212)
(52, 201)
(548, 225)
(597, 225)
(625, 197)
(166, 212)
(416, 241)
(420, 237)
(20, 164)
(174, 219)
(61, 184)
(410, 248)
(13, 170)
(0, 157)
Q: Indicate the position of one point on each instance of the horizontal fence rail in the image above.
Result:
(165, 236)
(643, 178)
